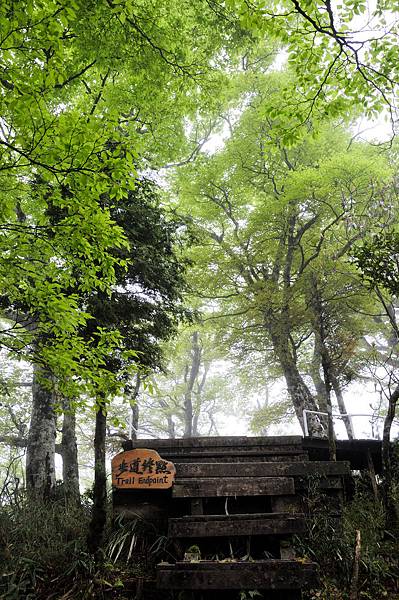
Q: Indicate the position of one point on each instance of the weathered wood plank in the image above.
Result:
(261, 469)
(236, 525)
(231, 486)
(268, 449)
(219, 441)
(238, 516)
(270, 574)
(206, 457)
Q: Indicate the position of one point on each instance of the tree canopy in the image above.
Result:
(275, 225)
(87, 88)
(343, 55)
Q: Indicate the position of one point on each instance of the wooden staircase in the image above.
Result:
(240, 500)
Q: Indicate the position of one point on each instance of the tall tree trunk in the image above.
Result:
(135, 420)
(317, 379)
(318, 318)
(199, 397)
(188, 407)
(213, 430)
(99, 512)
(332, 447)
(392, 511)
(69, 451)
(299, 392)
(341, 405)
(133, 394)
(279, 326)
(320, 385)
(40, 451)
(190, 378)
(195, 423)
(171, 428)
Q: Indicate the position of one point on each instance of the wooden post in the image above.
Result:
(139, 589)
(197, 507)
(371, 470)
(353, 593)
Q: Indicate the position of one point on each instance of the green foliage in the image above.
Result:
(145, 305)
(43, 552)
(86, 88)
(133, 541)
(342, 55)
(50, 163)
(247, 595)
(271, 413)
(40, 543)
(270, 219)
(378, 261)
(331, 544)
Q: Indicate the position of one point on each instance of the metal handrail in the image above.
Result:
(306, 411)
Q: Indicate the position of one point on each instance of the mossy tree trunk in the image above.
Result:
(40, 450)
(300, 394)
(69, 451)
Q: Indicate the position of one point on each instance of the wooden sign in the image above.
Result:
(142, 469)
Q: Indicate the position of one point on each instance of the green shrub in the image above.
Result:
(44, 556)
(39, 543)
(330, 542)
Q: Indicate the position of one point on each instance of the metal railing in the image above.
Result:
(336, 415)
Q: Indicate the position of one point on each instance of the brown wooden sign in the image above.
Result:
(142, 469)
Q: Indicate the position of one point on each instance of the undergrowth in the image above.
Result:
(330, 542)
(43, 553)
(41, 544)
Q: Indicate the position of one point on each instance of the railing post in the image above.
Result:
(305, 423)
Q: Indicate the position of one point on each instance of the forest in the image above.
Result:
(199, 236)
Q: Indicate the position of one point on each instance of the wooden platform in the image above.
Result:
(226, 449)
(353, 451)
(269, 449)
(236, 496)
(222, 442)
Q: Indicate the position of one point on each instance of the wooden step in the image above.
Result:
(232, 451)
(214, 442)
(236, 525)
(208, 487)
(231, 457)
(261, 469)
(200, 448)
(256, 575)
